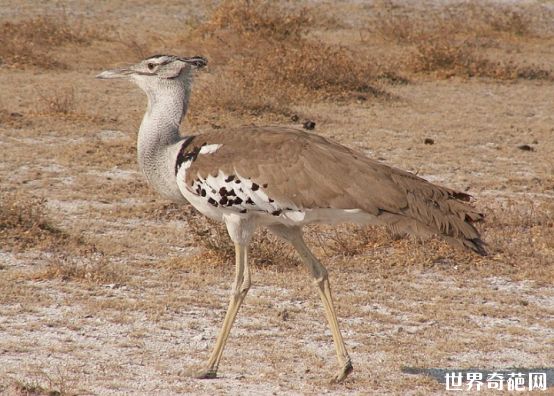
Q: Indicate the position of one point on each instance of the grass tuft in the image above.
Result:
(61, 101)
(91, 266)
(24, 223)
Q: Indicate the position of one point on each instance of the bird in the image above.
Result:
(283, 179)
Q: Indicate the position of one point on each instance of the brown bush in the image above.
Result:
(404, 24)
(505, 19)
(398, 24)
(450, 58)
(315, 67)
(259, 19)
(451, 40)
(265, 62)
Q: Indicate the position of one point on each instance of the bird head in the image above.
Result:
(157, 70)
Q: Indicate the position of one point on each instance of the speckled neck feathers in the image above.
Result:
(159, 135)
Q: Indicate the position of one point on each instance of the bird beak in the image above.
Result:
(115, 73)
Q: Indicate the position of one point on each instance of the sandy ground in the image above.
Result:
(151, 313)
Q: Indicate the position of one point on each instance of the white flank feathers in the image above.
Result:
(209, 149)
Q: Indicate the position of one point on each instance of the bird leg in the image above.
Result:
(240, 288)
(321, 279)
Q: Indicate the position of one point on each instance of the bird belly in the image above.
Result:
(301, 217)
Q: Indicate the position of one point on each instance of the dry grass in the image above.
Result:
(214, 242)
(509, 19)
(345, 240)
(264, 250)
(29, 42)
(400, 23)
(12, 119)
(21, 388)
(90, 266)
(519, 238)
(257, 19)
(24, 223)
(448, 57)
(59, 102)
(453, 41)
(65, 104)
(271, 63)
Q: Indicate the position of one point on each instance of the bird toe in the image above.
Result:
(204, 373)
(343, 373)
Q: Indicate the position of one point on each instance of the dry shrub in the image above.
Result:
(212, 237)
(449, 57)
(310, 68)
(24, 223)
(30, 41)
(60, 101)
(501, 18)
(257, 19)
(397, 24)
(228, 91)
(450, 41)
(270, 63)
(63, 104)
(270, 81)
(402, 24)
(533, 73)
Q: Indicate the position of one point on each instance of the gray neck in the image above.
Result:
(158, 136)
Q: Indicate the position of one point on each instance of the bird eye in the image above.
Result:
(151, 66)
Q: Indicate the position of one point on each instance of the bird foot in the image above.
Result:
(343, 372)
(204, 373)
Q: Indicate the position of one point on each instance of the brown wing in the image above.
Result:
(313, 172)
(292, 165)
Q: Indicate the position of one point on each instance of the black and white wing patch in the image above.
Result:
(238, 193)
(227, 191)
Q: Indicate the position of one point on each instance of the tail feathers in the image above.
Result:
(475, 244)
(450, 219)
(429, 209)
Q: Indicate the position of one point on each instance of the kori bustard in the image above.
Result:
(280, 178)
